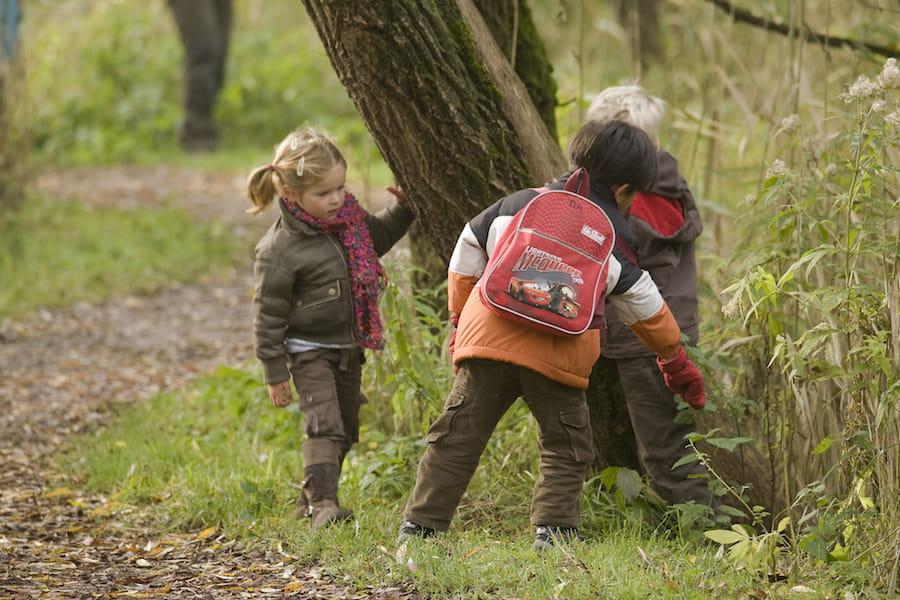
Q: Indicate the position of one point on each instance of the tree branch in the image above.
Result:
(745, 16)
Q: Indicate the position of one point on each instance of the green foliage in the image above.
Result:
(819, 299)
(104, 82)
(112, 70)
(219, 455)
(747, 550)
(414, 372)
(55, 255)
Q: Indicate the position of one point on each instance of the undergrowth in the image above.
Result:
(55, 254)
(218, 454)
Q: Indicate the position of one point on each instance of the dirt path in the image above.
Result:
(59, 373)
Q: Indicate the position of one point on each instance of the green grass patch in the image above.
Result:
(57, 253)
(218, 454)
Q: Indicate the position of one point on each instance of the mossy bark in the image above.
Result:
(513, 27)
(413, 72)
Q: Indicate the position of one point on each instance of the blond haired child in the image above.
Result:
(665, 223)
(317, 282)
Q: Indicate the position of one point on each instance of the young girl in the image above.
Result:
(317, 281)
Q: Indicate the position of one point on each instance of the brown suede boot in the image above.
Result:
(320, 483)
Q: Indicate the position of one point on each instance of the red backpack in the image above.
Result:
(548, 269)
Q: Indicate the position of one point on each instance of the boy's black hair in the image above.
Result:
(615, 153)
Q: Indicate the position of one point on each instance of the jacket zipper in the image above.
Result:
(340, 251)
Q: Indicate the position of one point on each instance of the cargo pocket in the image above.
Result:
(443, 426)
(577, 424)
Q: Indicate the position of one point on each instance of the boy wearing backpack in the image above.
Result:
(666, 222)
(500, 360)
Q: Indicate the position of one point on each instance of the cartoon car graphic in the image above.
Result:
(555, 297)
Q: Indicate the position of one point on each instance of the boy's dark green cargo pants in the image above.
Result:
(482, 392)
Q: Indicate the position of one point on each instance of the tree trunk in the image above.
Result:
(640, 19)
(513, 29)
(511, 26)
(614, 442)
(417, 80)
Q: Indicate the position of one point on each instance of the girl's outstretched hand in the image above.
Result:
(280, 393)
(398, 193)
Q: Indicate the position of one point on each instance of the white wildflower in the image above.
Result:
(863, 88)
(733, 308)
(790, 124)
(778, 169)
(878, 105)
(890, 74)
(817, 144)
(893, 118)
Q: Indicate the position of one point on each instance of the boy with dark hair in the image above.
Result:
(500, 360)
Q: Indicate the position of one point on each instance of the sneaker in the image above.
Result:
(409, 529)
(547, 536)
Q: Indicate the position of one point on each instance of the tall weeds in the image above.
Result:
(817, 299)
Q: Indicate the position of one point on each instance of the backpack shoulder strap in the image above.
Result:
(579, 182)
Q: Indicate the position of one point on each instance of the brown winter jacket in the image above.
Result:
(302, 288)
(666, 223)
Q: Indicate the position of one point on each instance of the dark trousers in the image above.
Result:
(482, 392)
(661, 441)
(328, 384)
(204, 27)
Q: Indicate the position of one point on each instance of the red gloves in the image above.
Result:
(684, 378)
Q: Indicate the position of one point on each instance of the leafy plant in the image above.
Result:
(758, 553)
(819, 295)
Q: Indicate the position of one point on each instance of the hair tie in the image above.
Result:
(271, 167)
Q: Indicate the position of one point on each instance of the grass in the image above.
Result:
(57, 254)
(217, 454)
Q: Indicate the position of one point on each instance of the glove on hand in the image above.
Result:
(683, 377)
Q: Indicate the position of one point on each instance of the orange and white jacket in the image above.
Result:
(567, 359)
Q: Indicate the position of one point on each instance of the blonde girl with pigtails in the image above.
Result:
(317, 279)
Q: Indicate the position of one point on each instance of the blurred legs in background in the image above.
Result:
(204, 27)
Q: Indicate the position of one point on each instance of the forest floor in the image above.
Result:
(61, 372)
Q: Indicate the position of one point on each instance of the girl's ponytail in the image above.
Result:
(261, 188)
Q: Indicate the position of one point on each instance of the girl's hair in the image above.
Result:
(632, 104)
(300, 161)
(615, 153)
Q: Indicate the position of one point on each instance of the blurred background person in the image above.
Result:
(205, 28)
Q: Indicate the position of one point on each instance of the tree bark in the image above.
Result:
(513, 28)
(640, 19)
(436, 115)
